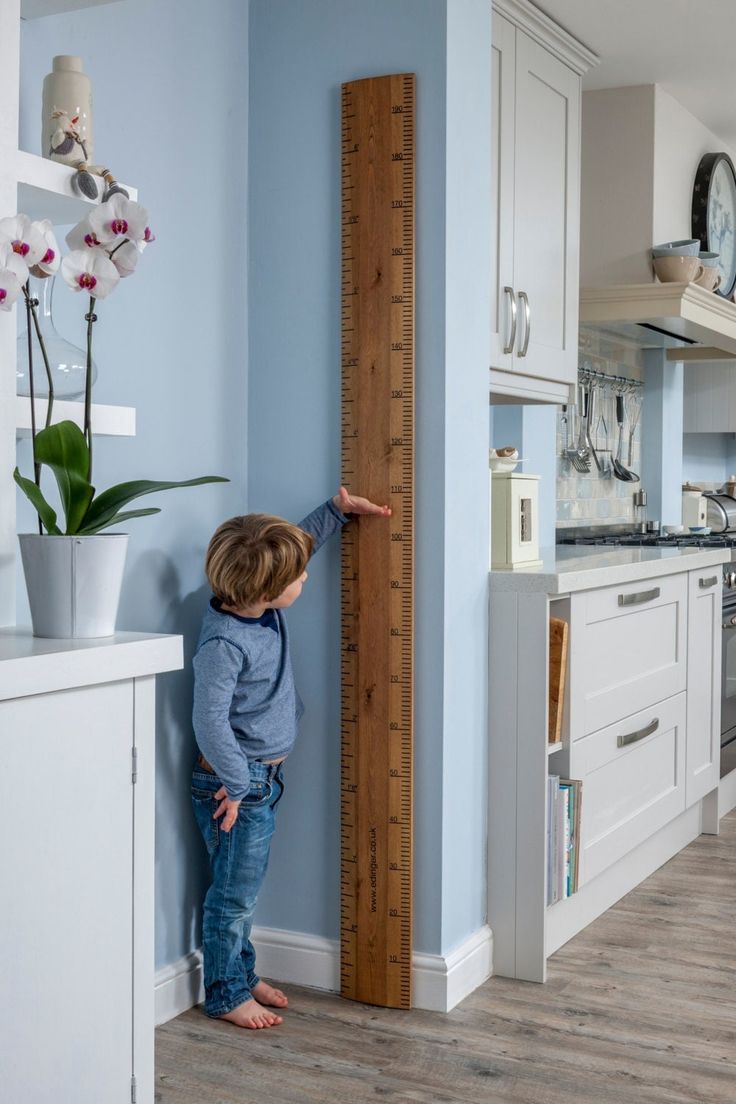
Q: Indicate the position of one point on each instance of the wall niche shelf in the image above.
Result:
(107, 421)
(45, 190)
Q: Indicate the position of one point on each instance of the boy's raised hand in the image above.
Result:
(226, 806)
(348, 503)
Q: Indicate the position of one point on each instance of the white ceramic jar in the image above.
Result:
(66, 123)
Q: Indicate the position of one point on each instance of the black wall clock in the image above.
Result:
(714, 214)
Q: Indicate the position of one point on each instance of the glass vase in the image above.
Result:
(68, 363)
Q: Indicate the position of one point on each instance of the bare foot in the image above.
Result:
(251, 1014)
(266, 994)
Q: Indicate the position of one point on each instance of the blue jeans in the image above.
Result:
(238, 861)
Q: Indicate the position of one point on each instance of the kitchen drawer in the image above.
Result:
(633, 790)
(628, 649)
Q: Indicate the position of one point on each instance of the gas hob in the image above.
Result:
(623, 539)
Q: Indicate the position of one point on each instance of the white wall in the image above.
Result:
(640, 153)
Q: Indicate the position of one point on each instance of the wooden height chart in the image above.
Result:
(377, 555)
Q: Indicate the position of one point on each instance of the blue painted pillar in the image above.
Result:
(532, 429)
(661, 474)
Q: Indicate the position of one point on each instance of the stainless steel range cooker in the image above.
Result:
(623, 538)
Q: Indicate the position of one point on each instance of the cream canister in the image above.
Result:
(66, 114)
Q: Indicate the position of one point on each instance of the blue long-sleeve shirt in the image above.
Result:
(246, 705)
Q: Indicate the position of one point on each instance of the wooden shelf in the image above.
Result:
(45, 190)
(107, 421)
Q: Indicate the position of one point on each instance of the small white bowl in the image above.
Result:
(673, 530)
(504, 463)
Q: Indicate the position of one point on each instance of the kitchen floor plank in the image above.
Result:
(641, 1006)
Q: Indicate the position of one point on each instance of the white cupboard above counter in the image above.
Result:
(536, 103)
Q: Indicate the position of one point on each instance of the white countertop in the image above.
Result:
(37, 665)
(569, 568)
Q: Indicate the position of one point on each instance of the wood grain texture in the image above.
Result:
(640, 1007)
(558, 630)
(377, 558)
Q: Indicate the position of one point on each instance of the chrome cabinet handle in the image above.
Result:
(528, 319)
(509, 348)
(708, 582)
(637, 599)
(729, 624)
(640, 734)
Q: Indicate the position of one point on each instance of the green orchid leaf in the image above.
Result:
(86, 531)
(33, 493)
(62, 448)
(105, 507)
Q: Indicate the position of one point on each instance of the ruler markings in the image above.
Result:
(377, 617)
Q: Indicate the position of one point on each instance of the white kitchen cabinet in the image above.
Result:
(77, 724)
(628, 648)
(703, 683)
(633, 775)
(641, 731)
(536, 97)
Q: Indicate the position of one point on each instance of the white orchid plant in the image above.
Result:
(105, 248)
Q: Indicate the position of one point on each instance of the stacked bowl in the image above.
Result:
(684, 262)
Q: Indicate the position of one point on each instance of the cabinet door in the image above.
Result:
(503, 95)
(633, 775)
(703, 683)
(628, 650)
(66, 956)
(546, 213)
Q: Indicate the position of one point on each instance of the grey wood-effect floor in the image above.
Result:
(640, 1007)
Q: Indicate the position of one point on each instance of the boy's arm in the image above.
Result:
(217, 665)
(331, 515)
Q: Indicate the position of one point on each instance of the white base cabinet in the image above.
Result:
(77, 820)
(703, 683)
(641, 730)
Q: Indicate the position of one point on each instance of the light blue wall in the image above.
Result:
(170, 99)
(661, 436)
(300, 55)
(706, 456)
(532, 430)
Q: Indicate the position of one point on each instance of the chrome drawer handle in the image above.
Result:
(528, 318)
(708, 582)
(509, 348)
(637, 599)
(641, 734)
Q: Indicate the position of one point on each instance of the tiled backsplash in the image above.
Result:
(595, 498)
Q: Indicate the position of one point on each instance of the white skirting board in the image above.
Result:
(439, 981)
(727, 794)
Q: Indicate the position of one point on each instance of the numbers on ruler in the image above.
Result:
(394, 164)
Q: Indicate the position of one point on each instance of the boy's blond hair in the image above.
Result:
(255, 557)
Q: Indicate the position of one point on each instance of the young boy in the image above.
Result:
(246, 710)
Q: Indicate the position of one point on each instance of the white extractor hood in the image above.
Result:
(694, 324)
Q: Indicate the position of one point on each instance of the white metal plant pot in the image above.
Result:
(73, 583)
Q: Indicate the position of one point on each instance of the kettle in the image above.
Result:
(729, 487)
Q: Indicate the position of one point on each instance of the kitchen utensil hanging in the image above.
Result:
(607, 398)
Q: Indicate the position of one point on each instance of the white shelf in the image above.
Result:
(36, 9)
(107, 421)
(45, 190)
(552, 748)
